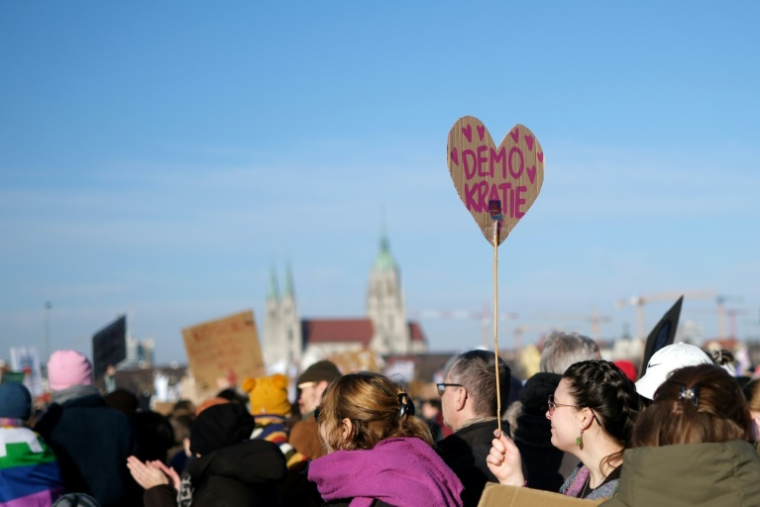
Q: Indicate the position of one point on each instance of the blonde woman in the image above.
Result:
(378, 452)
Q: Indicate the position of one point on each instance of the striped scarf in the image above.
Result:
(272, 429)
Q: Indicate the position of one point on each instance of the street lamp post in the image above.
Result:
(48, 306)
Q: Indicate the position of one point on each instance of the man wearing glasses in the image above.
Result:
(468, 402)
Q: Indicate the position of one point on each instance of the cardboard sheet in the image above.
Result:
(497, 495)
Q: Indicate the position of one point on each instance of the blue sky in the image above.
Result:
(159, 159)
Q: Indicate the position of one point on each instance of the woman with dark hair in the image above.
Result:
(378, 453)
(692, 445)
(592, 413)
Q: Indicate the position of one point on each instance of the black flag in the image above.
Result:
(662, 335)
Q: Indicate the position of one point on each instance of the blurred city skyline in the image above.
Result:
(159, 160)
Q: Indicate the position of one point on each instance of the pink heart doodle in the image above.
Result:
(481, 131)
(540, 156)
(467, 131)
(529, 140)
(455, 156)
(531, 173)
(515, 134)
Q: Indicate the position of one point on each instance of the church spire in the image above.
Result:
(274, 291)
(384, 260)
(289, 287)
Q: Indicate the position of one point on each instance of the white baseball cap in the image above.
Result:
(665, 361)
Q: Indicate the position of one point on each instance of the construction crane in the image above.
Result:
(640, 301)
(722, 313)
(594, 319)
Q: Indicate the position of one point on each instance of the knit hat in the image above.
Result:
(319, 371)
(210, 403)
(268, 395)
(667, 360)
(76, 500)
(68, 368)
(628, 368)
(15, 401)
(220, 426)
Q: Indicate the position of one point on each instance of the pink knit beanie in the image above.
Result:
(68, 368)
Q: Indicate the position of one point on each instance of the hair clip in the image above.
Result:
(407, 405)
(690, 394)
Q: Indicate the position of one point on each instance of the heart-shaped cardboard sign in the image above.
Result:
(497, 184)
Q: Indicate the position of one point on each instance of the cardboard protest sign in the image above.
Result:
(224, 351)
(497, 495)
(663, 334)
(497, 184)
(109, 346)
(358, 360)
(26, 360)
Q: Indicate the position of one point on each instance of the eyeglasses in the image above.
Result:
(317, 411)
(553, 405)
(442, 387)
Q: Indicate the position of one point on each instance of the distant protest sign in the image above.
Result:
(222, 352)
(497, 184)
(109, 346)
(358, 360)
(26, 361)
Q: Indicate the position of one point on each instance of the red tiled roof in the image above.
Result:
(415, 331)
(337, 330)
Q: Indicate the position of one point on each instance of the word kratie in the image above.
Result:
(484, 162)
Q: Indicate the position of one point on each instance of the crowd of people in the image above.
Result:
(684, 433)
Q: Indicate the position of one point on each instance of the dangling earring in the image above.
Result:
(579, 441)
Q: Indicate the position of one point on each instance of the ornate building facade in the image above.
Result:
(288, 339)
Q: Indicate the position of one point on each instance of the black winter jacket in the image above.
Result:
(241, 475)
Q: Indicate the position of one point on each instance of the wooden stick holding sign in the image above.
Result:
(498, 185)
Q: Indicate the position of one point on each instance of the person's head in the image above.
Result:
(76, 500)
(231, 395)
(68, 368)
(430, 409)
(695, 405)
(359, 410)
(665, 361)
(155, 435)
(124, 401)
(752, 395)
(469, 389)
(183, 407)
(210, 403)
(15, 402)
(220, 426)
(564, 349)
(313, 382)
(268, 395)
(594, 401)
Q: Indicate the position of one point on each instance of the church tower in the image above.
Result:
(292, 335)
(272, 344)
(385, 304)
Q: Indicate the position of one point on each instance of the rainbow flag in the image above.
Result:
(29, 473)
